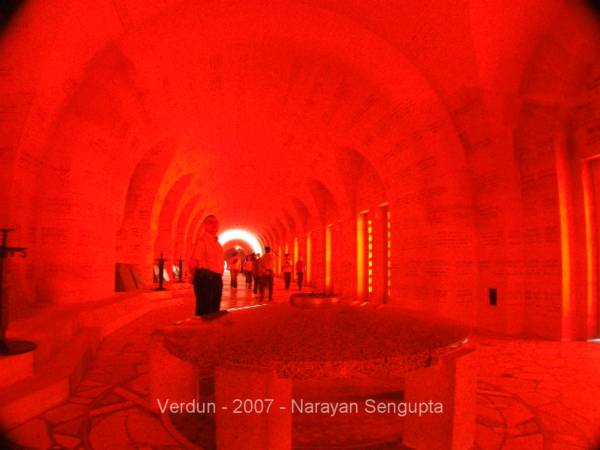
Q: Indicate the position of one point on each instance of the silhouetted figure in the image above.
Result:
(287, 268)
(300, 267)
(207, 265)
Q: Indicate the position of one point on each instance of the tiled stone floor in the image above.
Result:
(531, 394)
(538, 394)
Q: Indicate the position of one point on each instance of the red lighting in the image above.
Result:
(438, 157)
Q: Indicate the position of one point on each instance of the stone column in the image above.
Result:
(249, 428)
(452, 381)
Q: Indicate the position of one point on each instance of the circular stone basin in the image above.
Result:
(342, 340)
(312, 300)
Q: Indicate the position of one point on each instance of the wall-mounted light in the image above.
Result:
(389, 253)
(370, 255)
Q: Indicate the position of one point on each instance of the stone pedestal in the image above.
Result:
(171, 378)
(248, 389)
(329, 342)
(15, 368)
(451, 381)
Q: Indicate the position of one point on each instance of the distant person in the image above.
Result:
(256, 273)
(248, 269)
(287, 268)
(206, 263)
(234, 265)
(300, 267)
(266, 266)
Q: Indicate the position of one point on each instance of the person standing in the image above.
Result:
(266, 266)
(300, 266)
(287, 268)
(235, 266)
(256, 273)
(248, 269)
(206, 263)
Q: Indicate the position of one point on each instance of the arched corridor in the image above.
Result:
(438, 158)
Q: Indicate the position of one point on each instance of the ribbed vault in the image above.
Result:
(288, 118)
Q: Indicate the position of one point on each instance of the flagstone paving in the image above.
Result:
(531, 394)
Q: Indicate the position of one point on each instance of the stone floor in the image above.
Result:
(531, 394)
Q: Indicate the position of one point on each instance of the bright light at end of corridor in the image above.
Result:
(241, 235)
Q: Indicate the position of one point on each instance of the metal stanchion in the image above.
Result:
(9, 347)
(180, 270)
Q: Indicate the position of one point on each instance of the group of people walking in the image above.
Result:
(259, 271)
(206, 267)
(287, 269)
